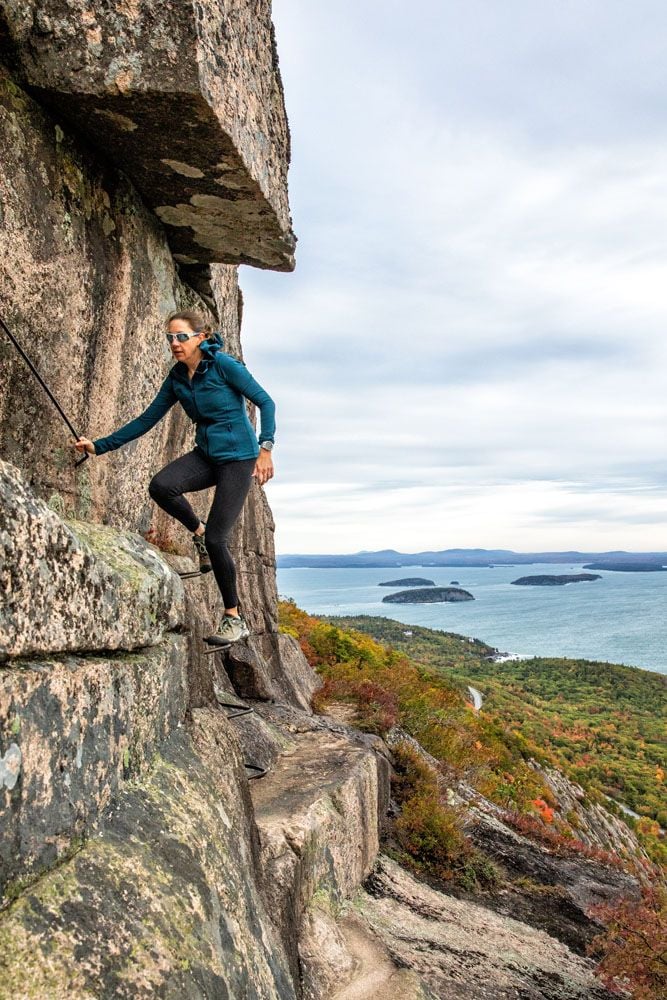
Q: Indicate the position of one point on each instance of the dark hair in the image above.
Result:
(195, 320)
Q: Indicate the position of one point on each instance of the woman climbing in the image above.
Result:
(211, 386)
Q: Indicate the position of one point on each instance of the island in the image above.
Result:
(555, 581)
(409, 581)
(628, 567)
(428, 595)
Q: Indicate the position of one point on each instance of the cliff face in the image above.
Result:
(145, 155)
(136, 861)
(87, 278)
(133, 859)
(146, 152)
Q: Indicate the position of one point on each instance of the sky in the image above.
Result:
(471, 351)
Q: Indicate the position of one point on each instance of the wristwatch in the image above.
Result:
(267, 445)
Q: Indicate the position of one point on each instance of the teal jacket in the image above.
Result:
(214, 400)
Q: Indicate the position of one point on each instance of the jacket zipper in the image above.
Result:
(194, 399)
(196, 408)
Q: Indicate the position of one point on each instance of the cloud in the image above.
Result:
(480, 192)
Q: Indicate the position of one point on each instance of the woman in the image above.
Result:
(211, 386)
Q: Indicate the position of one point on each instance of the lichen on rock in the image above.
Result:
(76, 587)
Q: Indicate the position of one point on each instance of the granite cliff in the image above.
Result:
(145, 156)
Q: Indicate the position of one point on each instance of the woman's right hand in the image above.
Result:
(85, 444)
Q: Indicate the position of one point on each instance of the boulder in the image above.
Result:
(79, 586)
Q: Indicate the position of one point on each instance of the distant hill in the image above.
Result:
(469, 557)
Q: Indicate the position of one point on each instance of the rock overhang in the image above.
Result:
(185, 98)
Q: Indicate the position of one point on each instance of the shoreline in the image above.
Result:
(620, 623)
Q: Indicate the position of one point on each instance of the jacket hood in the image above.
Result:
(211, 345)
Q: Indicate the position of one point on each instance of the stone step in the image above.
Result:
(318, 812)
(73, 728)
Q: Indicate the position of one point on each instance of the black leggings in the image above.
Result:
(194, 472)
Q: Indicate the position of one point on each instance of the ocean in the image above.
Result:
(618, 619)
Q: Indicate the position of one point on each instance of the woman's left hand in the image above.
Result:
(263, 467)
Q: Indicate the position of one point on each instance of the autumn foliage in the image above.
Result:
(545, 811)
(600, 723)
(385, 688)
(563, 844)
(633, 947)
(428, 830)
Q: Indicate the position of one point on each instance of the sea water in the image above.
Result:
(619, 618)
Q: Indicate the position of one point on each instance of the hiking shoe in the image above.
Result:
(232, 628)
(201, 554)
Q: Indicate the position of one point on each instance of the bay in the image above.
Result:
(617, 619)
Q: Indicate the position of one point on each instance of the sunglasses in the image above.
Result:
(180, 337)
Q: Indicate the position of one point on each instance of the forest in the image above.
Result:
(602, 723)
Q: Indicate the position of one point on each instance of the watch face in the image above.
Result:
(267, 445)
